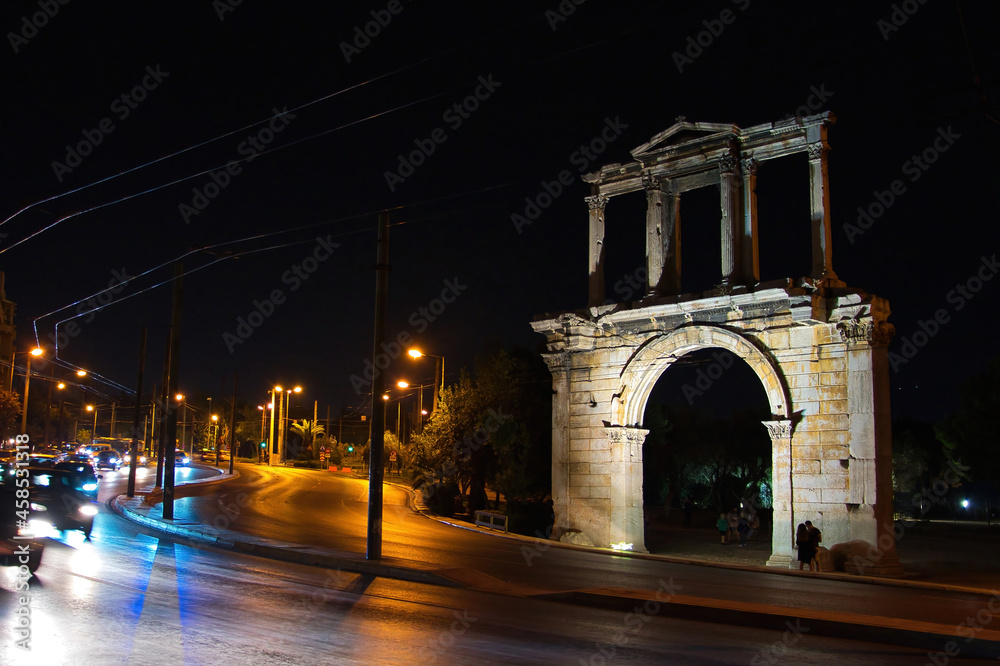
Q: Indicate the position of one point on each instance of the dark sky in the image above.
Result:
(547, 83)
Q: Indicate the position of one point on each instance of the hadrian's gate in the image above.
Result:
(817, 346)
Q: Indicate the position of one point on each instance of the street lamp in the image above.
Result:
(27, 379)
(438, 371)
(93, 432)
(420, 400)
(180, 399)
(283, 420)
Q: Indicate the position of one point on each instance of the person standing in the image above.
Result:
(815, 539)
(804, 545)
(723, 526)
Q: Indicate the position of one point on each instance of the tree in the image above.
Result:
(970, 435)
(10, 410)
(308, 431)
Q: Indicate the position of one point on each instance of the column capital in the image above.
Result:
(749, 166)
(652, 183)
(778, 429)
(596, 201)
(876, 333)
(817, 151)
(729, 164)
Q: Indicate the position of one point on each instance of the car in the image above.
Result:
(64, 498)
(108, 460)
(181, 458)
(15, 548)
(76, 457)
(127, 459)
(94, 449)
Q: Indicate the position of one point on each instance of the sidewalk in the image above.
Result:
(694, 547)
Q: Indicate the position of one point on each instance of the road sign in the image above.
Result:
(392, 456)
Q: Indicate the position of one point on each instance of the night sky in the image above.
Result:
(497, 99)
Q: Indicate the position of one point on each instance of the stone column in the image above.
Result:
(671, 281)
(748, 243)
(870, 514)
(729, 181)
(559, 367)
(819, 205)
(782, 521)
(596, 203)
(626, 487)
(655, 238)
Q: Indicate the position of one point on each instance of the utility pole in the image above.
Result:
(375, 471)
(134, 461)
(172, 380)
(233, 445)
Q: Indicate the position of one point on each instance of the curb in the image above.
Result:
(886, 630)
(422, 509)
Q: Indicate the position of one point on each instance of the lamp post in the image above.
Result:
(93, 432)
(283, 404)
(420, 401)
(180, 399)
(272, 453)
(438, 372)
(27, 382)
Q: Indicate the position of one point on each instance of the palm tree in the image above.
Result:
(308, 430)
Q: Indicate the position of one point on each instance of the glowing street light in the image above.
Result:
(438, 370)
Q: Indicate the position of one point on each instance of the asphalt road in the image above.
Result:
(330, 510)
(136, 597)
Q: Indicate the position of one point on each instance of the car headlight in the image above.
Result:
(38, 528)
(42, 480)
(114, 460)
(142, 459)
(88, 510)
(37, 507)
(186, 460)
(90, 486)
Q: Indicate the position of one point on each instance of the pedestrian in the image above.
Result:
(804, 545)
(733, 520)
(723, 526)
(688, 510)
(754, 520)
(815, 539)
(743, 528)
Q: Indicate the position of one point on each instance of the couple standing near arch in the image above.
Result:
(807, 540)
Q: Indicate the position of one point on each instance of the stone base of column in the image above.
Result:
(779, 560)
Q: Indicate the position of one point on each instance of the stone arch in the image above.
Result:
(652, 359)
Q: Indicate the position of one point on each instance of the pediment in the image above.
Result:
(683, 132)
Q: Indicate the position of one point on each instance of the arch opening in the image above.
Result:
(707, 453)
